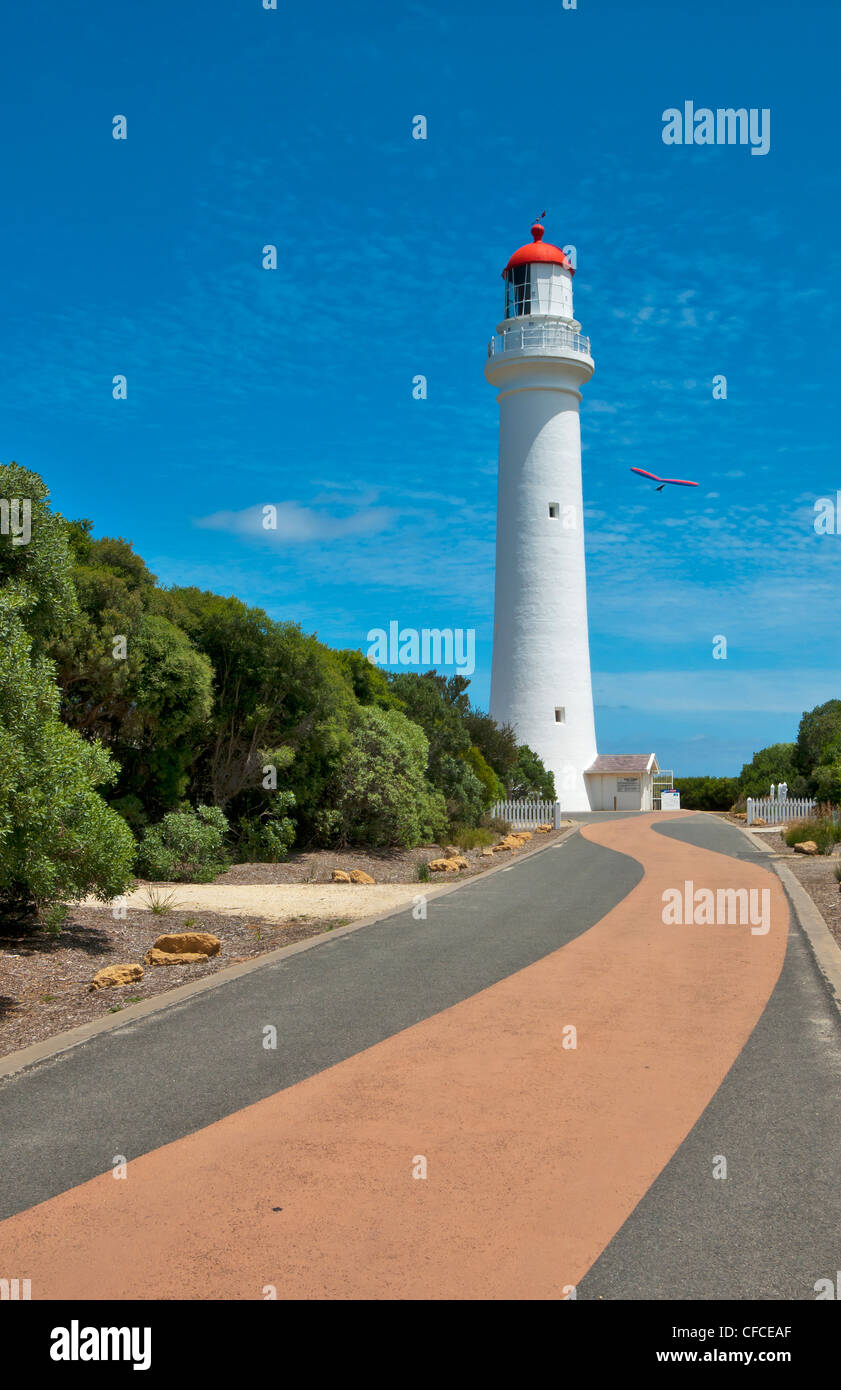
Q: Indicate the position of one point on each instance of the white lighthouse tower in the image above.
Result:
(538, 360)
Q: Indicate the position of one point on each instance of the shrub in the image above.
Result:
(266, 839)
(493, 790)
(382, 795)
(498, 825)
(471, 837)
(58, 839)
(707, 793)
(185, 847)
(821, 829)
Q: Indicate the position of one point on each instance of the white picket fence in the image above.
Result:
(527, 812)
(774, 812)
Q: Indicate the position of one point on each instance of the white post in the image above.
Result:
(556, 815)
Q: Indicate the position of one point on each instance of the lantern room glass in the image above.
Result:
(518, 291)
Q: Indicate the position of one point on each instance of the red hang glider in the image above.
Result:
(679, 482)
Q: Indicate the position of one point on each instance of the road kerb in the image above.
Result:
(824, 947)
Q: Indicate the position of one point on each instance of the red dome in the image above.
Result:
(539, 250)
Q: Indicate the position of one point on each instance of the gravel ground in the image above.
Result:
(44, 979)
(384, 865)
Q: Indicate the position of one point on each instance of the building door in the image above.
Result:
(628, 794)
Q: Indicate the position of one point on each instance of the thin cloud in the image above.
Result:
(296, 525)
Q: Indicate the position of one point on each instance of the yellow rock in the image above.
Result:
(339, 876)
(360, 876)
(155, 957)
(177, 943)
(112, 975)
(806, 847)
(444, 866)
(486, 852)
(545, 828)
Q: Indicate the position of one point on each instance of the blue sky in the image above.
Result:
(248, 387)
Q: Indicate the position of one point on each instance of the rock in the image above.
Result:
(339, 876)
(190, 942)
(806, 847)
(449, 852)
(156, 957)
(360, 876)
(112, 975)
(513, 841)
(486, 852)
(544, 829)
(447, 866)
(757, 820)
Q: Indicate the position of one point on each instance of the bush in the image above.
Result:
(707, 793)
(185, 847)
(472, 837)
(58, 839)
(266, 839)
(382, 796)
(497, 824)
(821, 829)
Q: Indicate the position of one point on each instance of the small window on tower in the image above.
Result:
(560, 715)
(554, 510)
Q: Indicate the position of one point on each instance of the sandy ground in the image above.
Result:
(279, 902)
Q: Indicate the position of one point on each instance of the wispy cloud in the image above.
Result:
(289, 523)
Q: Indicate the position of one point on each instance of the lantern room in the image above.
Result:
(538, 280)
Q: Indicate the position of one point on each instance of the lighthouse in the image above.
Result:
(538, 361)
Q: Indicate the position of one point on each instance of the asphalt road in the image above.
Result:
(433, 992)
(772, 1228)
(136, 1087)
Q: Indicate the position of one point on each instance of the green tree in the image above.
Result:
(40, 566)
(817, 752)
(369, 683)
(529, 777)
(58, 839)
(130, 677)
(381, 796)
(274, 689)
(708, 793)
(497, 743)
(773, 764)
(492, 788)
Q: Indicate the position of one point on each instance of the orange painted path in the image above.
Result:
(536, 1153)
